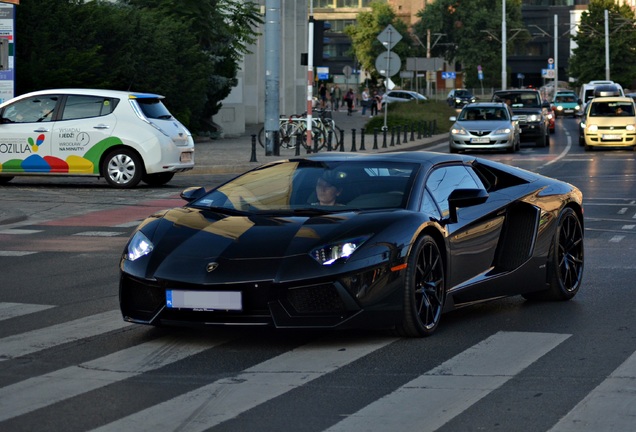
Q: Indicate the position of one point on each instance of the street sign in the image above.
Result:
(547, 73)
(550, 60)
(449, 75)
(388, 60)
(347, 71)
(323, 72)
(389, 37)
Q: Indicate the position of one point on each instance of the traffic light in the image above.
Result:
(319, 43)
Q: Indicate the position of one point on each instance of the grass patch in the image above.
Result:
(434, 113)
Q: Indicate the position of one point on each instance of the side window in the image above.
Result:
(442, 181)
(78, 107)
(32, 110)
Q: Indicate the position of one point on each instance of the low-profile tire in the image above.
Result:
(157, 179)
(122, 168)
(566, 259)
(5, 179)
(424, 289)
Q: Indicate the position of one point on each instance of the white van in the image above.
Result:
(125, 137)
(587, 90)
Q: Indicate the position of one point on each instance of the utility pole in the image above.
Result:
(272, 72)
(310, 73)
(504, 73)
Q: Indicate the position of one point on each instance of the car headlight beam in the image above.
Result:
(138, 246)
(330, 253)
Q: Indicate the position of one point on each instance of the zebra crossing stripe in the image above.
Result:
(27, 343)
(611, 406)
(222, 400)
(12, 310)
(45, 390)
(449, 389)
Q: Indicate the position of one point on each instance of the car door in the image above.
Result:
(473, 236)
(26, 130)
(82, 125)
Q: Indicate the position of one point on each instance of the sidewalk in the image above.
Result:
(235, 155)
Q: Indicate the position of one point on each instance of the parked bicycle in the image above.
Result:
(294, 128)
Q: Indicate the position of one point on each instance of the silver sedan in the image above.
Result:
(485, 126)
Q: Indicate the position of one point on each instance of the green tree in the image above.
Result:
(223, 29)
(472, 35)
(365, 45)
(100, 44)
(588, 59)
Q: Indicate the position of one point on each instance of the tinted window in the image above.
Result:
(153, 108)
(78, 107)
(443, 181)
(32, 110)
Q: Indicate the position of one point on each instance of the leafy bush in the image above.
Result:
(408, 113)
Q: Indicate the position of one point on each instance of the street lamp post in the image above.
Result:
(504, 74)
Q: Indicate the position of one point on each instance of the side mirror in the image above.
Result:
(193, 193)
(452, 118)
(461, 198)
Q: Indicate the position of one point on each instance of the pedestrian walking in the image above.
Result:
(365, 100)
(349, 101)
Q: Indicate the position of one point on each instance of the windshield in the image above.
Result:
(486, 113)
(520, 99)
(611, 109)
(312, 187)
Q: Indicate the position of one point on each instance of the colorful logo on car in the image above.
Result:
(74, 164)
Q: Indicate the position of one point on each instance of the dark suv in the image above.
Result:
(532, 112)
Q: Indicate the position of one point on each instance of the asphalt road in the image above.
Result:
(68, 362)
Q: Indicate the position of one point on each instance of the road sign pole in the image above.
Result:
(386, 82)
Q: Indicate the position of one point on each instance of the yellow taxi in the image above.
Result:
(609, 122)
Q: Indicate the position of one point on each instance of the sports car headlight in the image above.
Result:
(503, 131)
(139, 246)
(328, 254)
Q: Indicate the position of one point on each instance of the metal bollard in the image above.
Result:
(342, 140)
(353, 140)
(392, 137)
(384, 132)
(362, 140)
(253, 157)
(412, 132)
(399, 134)
(406, 134)
(298, 143)
(375, 138)
(329, 136)
(419, 130)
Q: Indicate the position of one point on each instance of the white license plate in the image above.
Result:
(186, 157)
(612, 137)
(204, 300)
(479, 140)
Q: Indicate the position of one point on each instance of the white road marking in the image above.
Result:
(99, 233)
(431, 400)
(609, 407)
(616, 239)
(27, 343)
(16, 253)
(12, 310)
(16, 231)
(222, 400)
(45, 390)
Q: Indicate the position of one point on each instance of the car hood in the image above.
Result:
(186, 240)
(483, 124)
(526, 111)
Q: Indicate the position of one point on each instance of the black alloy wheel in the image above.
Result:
(566, 261)
(424, 289)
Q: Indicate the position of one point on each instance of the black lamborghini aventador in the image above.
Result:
(355, 240)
